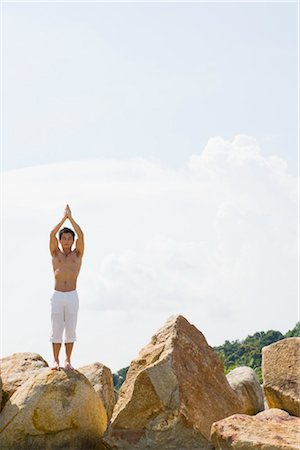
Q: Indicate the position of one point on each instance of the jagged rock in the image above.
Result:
(16, 369)
(245, 384)
(273, 429)
(174, 390)
(281, 375)
(53, 409)
(101, 379)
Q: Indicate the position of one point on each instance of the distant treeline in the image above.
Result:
(248, 352)
(236, 353)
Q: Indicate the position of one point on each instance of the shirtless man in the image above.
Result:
(64, 301)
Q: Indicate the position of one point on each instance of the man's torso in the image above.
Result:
(66, 269)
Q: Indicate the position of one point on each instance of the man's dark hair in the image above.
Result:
(66, 230)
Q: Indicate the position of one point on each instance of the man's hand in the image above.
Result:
(68, 213)
(78, 230)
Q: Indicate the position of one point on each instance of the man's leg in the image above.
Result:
(56, 348)
(69, 348)
(57, 323)
(71, 311)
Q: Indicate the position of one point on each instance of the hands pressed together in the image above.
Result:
(68, 213)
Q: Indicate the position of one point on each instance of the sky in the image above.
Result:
(171, 131)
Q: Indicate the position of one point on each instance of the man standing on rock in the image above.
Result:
(64, 300)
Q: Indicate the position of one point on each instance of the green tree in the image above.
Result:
(295, 332)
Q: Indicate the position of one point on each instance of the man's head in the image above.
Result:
(66, 237)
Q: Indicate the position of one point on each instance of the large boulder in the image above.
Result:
(16, 369)
(273, 429)
(245, 384)
(53, 409)
(174, 390)
(101, 379)
(281, 375)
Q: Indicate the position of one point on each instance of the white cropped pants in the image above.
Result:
(64, 309)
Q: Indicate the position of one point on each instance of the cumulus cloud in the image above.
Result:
(214, 240)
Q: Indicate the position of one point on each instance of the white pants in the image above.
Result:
(64, 309)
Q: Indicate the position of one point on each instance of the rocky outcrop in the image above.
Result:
(245, 384)
(281, 375)
(175, 396)
(53, 409)
(101, 379)
(16, 369)
(273, 429)
(174, 390)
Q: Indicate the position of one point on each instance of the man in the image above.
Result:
(64, 301)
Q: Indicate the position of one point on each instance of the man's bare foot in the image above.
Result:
(68, 365)
(55, 365)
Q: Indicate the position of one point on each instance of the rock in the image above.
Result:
(281, 375)
(0, 392)
(174, 390)
(101, 379)
(266, 406)
(116, 396)
(245, 384)
(53, 409)
(273, 429)
(16, 369)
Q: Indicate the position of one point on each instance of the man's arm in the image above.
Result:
(53, 239)
(78, 230)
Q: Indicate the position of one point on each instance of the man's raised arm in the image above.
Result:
(53, 239)
(78, 230)
(55, 229)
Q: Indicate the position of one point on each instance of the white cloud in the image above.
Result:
(214, 241)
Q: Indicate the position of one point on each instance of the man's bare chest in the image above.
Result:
(66, 262)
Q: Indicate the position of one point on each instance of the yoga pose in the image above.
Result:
(64, 300)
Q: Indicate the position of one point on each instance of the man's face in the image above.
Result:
(66, 240)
